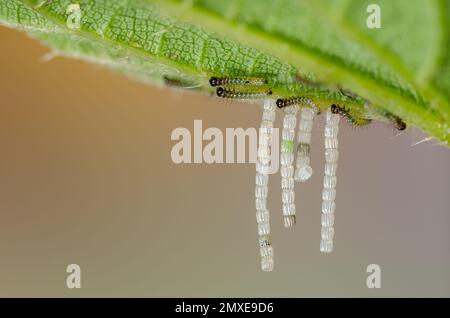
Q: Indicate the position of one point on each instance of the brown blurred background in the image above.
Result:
(86, 177)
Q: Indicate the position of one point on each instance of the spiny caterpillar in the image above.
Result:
(285, 102)
(394, 120)
(224, 81)
(237, 94)
(398, 123)
(344, 112)
(240, 81)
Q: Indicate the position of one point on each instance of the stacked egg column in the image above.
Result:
(287, 166)
(329, 181)
(262, 180)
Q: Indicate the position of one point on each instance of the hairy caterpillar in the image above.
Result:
(398, 123)
(344, 112)
(224, 81)
(285, 102)
(237, 94)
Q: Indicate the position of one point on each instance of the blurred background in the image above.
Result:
(86, 177)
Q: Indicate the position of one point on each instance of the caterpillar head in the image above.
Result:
(280, 103)
(335, 109)
(220, 92)
(214, 81)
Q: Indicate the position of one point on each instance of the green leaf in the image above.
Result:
(304, 48)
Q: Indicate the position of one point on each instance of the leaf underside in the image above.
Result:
(319, 49)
